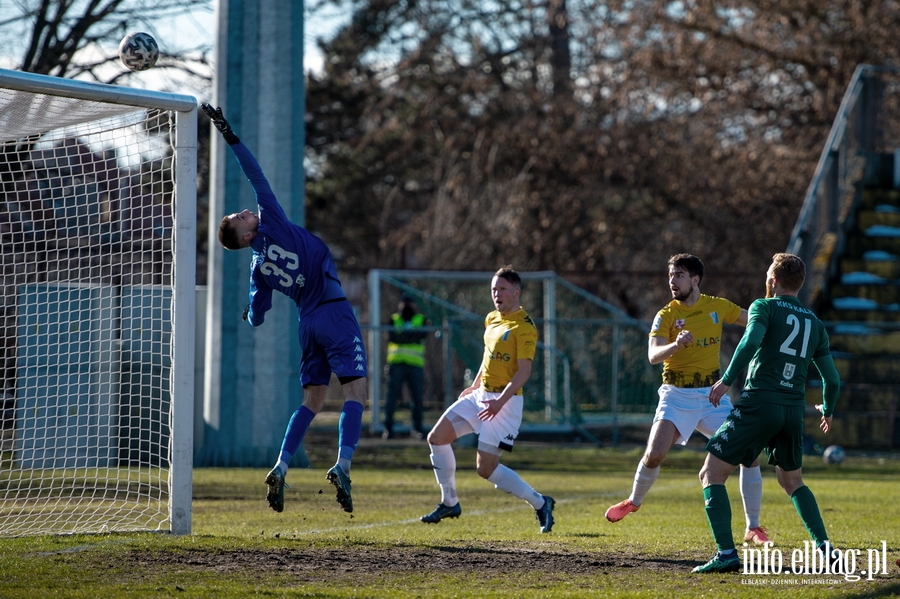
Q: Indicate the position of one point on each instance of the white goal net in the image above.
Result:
(97, 259)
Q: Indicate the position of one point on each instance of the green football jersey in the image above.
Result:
(784, 337)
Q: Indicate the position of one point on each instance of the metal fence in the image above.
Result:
(590, 370)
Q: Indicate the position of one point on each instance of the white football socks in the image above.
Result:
(507, 480)
(444, 462)
(644, 478)
(751, 494)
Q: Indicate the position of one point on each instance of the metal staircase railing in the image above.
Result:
(864, 126)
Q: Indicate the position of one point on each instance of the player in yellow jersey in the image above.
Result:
(492, 406)
(685, 336)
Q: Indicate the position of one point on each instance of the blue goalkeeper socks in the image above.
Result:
(349, 430)
(293, 436)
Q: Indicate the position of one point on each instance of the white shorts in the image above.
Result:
(495, 435)
(690, 410)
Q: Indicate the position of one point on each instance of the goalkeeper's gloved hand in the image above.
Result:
(246, 313)
(215, 115)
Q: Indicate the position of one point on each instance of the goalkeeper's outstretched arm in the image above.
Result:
(265, 197)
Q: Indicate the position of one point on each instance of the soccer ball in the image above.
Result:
(138, 51)
(834, 454)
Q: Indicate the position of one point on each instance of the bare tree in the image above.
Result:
(441, 137)
(79, 38)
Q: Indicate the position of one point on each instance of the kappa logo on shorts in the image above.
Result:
(717, 447)
(358, 348)
(509, 438)
(360, 367)
(356, 339)
(736, 413)
(358, 358)
(728, 424)
(723, 435)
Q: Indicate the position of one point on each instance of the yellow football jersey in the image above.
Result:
(698, 364)
(507, 339)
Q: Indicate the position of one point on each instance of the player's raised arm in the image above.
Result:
(265, 197)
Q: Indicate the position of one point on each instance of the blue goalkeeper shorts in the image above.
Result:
(331, 342)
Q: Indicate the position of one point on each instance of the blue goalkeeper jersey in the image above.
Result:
(286, 257)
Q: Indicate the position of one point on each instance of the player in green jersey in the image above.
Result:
(781, 340)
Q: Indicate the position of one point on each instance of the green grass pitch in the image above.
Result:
(240, 548)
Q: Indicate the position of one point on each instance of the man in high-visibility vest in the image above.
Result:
(406, 362)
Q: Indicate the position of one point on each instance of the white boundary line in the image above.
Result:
(482, 512)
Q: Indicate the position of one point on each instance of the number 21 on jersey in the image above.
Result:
(794, 323)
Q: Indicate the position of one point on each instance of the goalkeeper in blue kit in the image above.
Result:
(289, 259)
(783, 337)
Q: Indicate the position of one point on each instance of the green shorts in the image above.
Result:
(755, 427)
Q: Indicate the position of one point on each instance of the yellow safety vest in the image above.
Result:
(406, 353)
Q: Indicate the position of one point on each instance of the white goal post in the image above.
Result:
(97, 307)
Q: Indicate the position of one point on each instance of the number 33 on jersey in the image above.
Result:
(285, 275)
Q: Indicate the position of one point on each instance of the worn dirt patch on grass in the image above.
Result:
(404, 560)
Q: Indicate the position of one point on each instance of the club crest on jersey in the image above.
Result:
(715, 317)
(679, 324)
(788, 372)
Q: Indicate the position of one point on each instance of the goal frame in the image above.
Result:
(183, 280)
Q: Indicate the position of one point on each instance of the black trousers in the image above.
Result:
(414, 378)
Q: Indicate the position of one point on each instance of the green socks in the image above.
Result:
(806, 506)
(718, 512)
